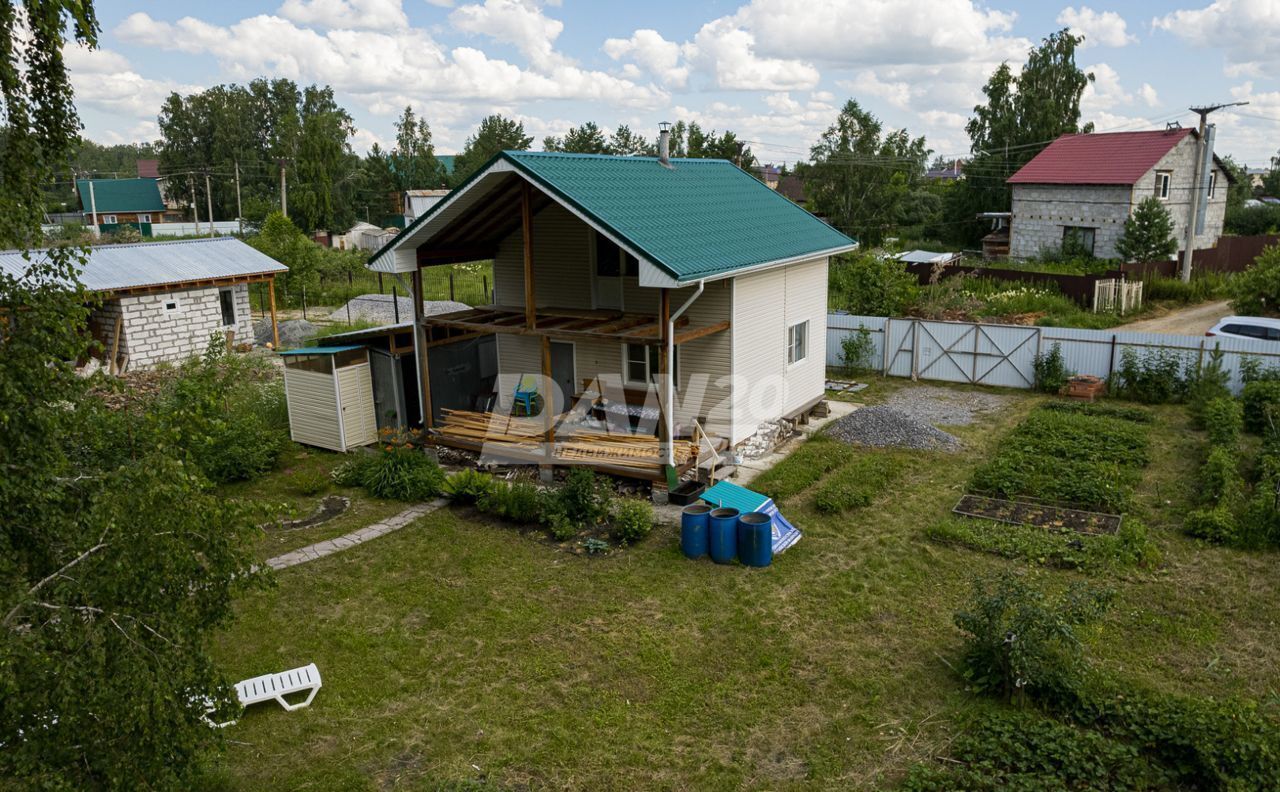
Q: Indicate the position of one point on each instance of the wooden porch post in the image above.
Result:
(548, 403)
(275, 328)
(526, 224)
(420, 350)
(667, 419)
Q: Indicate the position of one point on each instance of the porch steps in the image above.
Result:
(724, 468)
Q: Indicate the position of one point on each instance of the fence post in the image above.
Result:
(884, 369)
(484, 279)
(380, 289)
(915, 350)
(973, 376)
(451, 297)
(395, 302)
(1111, 365)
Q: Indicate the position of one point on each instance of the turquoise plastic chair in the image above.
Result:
(526, 391)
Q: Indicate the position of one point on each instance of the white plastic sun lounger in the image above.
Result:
(273, 686)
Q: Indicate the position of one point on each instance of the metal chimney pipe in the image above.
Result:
(664, 143)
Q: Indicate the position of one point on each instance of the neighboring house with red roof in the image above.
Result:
(1083, 187)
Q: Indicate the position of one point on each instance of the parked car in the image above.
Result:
(1247, 327)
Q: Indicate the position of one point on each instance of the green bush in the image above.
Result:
(857, 483)
(1155, 377)
(468, 485)
(632, 519)
(1256, 291)
(1259, 523)
(1223, 419)
(1208, 383)
(1204, 286)
(1260, 398)
(1051, 372)
(1220, 480)
(350, 473)
(857, 350)
(868, 284)
(1020, 642)
(1216, 524)
(310, 482)
(402, 473)
(519, 502)
(583, 497)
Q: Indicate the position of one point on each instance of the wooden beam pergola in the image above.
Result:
(571, 325)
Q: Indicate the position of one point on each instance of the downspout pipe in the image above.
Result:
(669, 387)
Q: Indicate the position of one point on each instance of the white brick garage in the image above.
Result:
(160, 302)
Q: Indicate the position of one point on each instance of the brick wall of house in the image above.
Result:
(156, 334)
(1042, 211)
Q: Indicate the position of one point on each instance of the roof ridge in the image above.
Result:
(117, 245)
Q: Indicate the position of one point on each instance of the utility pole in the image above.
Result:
(284, 189)
(208, 197)
(1198, 179)
(239, 211)
(195, 207)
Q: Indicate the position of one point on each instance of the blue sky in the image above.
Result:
(774, 71)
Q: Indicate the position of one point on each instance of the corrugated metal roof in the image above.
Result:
(331, 350)
(120, 195)
(1109, 158)
(116, 267)
(695, 219)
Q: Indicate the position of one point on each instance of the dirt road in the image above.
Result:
(1195, 320)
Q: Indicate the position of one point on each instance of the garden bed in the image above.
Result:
(1039, 515)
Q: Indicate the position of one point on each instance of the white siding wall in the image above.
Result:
(355, 387)
(313, 408)
(765, 304)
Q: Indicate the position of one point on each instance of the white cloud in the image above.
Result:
(350, 14)
(728, 53)
(650, 51)
(520, 23)
(1105, 28)
(1246, 31)
(1149, 95)
(1104, 93)
(104, 80)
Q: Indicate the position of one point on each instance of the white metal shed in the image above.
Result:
(329, 391)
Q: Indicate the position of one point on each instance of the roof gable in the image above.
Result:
(696, 219)
(1108, 158)
(120, 195)
(154, 264)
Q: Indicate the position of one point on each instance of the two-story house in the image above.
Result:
(1082, 188)
(685, 280)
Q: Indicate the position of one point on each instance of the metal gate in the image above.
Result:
(961, 352)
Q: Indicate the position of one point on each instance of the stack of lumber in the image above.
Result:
(526, 434)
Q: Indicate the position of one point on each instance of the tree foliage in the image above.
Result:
(1148, 233)
(861, 176)
(1256, 291)
(585, 139)
(495, 134)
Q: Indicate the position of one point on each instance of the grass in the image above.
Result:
(456, 652)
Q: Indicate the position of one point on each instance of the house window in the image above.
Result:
(797, 342)
(227, 301)
(610, 258)
(1078, 240)
(171, 305)
(640, 362)
(1162, 184)
(144, 218)
(1213, 183)
(107, 219)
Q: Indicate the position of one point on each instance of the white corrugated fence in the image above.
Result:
(1003, 355)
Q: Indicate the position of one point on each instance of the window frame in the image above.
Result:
(107, 219)
(803, 338)
(144, 218)
(1164, 184)
(223, 295)
(171, 305)
(1091, 231)
(1213, 183)
(652, 356)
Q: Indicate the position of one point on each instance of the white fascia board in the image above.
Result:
(657, 278)
(403, 255)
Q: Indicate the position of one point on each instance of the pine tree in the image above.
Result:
(1148, 233)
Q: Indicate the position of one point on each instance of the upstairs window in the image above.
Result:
(1213, 183)
(1162, 184)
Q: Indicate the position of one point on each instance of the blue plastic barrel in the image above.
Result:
(723, 529)
(755, 539)
(694, 521)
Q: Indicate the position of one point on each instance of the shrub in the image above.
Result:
(1220, 480)
(1260, 398)
(405, 474)
(1259, 523)
(1204, 285)
(1256, 291)
(468, 485)
(1208, 383)
(1155, 377)
(583, 497)
(350, 473)
(856, 350)
(1051, 372)
(310, 482)
(1223, 419)
(1251, 370)
(1021, 642)
(871, 285)
(632, 519)
(519, 502)
(1216, 524)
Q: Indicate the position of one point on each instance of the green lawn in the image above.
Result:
(456, 652)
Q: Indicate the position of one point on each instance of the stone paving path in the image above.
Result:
(337, 544)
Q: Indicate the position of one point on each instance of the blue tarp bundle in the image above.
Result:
(725, 494)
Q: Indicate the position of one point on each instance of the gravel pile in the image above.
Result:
(885, 427)
(293, 333)
(381, 308)
(944, 407)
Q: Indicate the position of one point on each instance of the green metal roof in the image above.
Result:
(120, 195)
(698, 218)
(447, 161)
(333, 350)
